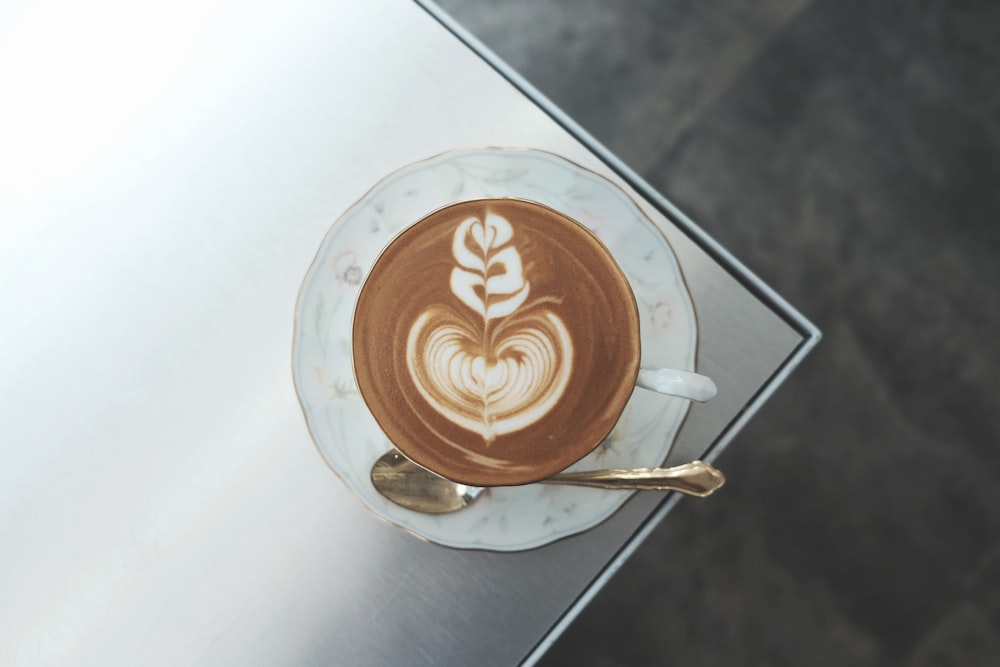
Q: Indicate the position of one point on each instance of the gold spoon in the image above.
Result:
(407, 484)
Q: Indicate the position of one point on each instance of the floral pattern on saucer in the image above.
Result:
(504, 518)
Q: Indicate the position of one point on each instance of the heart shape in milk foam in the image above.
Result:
(491, 387)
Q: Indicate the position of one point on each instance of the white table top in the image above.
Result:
(166, 175)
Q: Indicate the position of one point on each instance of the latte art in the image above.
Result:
(489, 277)
(495, 341)
(508, 369)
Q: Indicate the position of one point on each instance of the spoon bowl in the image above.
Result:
(409, 485)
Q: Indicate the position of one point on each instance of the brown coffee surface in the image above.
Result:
(496, 342)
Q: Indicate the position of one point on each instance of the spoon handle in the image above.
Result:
(695, 479)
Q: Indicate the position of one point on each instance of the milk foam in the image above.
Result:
(505, 369)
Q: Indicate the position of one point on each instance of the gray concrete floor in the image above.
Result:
(849, 152)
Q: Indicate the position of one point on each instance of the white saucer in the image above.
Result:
(508, 518)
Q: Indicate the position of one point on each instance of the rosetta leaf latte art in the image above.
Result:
(502, 293)
(511, 367)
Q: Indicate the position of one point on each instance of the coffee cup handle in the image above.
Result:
(675, 382)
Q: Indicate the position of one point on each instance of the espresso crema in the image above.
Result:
(496, 342)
